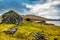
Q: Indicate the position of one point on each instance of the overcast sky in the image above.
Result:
(44, 8)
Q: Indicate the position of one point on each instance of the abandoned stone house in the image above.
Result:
(11, 17)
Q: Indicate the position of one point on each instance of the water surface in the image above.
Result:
(54, 22)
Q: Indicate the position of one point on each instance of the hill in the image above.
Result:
(26, 30)
(29, 30)
(38, 18)
(33, 17)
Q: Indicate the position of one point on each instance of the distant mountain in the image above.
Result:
(34, 17)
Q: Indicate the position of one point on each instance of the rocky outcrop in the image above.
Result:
(11, 31)
(40, 36)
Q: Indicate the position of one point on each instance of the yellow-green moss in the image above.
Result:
(26, 30)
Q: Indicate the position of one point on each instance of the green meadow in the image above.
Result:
(26, 30)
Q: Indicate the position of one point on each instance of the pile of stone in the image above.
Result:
(11, 17)
(11, 30)
(40, 36)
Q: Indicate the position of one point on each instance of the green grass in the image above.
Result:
(26, 30)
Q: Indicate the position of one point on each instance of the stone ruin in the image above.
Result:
(11, 17)
(40, 36)
(11, 30)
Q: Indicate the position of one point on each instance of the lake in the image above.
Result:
(54, 22)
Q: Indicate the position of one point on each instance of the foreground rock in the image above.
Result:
(40, 36)
(11, 30)
(55, 39)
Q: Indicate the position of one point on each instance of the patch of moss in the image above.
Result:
(26, 30)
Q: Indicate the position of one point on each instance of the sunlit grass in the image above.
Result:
(26, 30)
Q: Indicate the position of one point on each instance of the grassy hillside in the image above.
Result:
(26, 30)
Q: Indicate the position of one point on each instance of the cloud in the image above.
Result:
(53, 15)
(35, 7)
(39, 8)
(56, 2)
(47, 8)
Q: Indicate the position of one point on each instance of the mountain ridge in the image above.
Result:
(38, 18)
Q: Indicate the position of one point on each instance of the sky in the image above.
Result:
(45, 8)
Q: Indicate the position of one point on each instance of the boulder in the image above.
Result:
(28, 19)
(55, 39)
(39, 36)
(11, 30)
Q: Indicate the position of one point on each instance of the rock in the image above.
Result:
(28, 19)
(46, 38)
(11, 30)
(55, 39)
(39, 36)
(12, 17)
